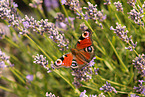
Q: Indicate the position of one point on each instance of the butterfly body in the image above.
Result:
(79, 56)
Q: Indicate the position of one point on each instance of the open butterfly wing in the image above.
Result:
(81, 55)
(84, 43)
(85, 40)
(84, 51)
(64, 61)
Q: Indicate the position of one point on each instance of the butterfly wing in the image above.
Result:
(64, 61)
(85, 40)
(84, 51)
(81, 55)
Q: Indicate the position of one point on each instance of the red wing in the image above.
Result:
(83, 57)
(64, 61)
(84, 43)
(85, 40)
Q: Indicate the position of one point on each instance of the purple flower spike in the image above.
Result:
(26, 24)
(108, 88)
(93, 13)
(131, 2)
(40, 60)
(4, 59)
(50, 95)
(107, 2)
(133, 95)
(2, 64)
(139, 63)
(122, 34)
(137, 14)
(141, 88)
(91, 63)
(118, 6)
(83, 94)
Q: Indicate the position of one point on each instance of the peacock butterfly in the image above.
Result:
(79, 56)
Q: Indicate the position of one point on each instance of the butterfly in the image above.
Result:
(79, 56)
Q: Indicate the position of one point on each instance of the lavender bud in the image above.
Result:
(107, 2)
(141, 88)
(108, 88)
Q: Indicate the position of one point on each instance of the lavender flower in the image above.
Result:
(50, 95)
(91, 63)
(63, 2)
(107, 2)
(108, 88)
(101, 95)
(30, 77)
(4, 61)
(93, 13)
(131, 2)
(122, 34)
(83, 27)
(71, 23)
(63, 23)
(40, 60)
(8, 11)
(137, 16)
(141, 88)
(43, 26)
(5, 58)
(74, 5)
(83, 94)
(118, 5)
(83, 74)
(4, 31)
(100, 16)
(2, 64)
(36, 3)
(139, 63)
(51, 4)
(133, 95)
(60, 17)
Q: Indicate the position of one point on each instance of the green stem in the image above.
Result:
(6, 89)
(19, 77)
(10, 41)
(38, 47)
(123, 65)
(56, 71)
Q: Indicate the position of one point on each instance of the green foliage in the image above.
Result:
(112, 59)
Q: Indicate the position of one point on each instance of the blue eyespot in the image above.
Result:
(74, 64)
(89, 49)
